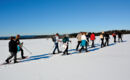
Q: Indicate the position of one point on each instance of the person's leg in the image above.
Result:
(67, 49)
(92, 43)
(86, 47)
(78, 45)
(57, 46)
(121, 39)
(81, 49)
(108, 42)
(118, 39)
(22, 53)
(105, 42)
(54, 49)
(11, 56)
(15, 57)
(102, 44)
(114, 39)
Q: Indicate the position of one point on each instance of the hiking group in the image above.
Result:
(83, 39)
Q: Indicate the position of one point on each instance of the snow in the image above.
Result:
(108, 63)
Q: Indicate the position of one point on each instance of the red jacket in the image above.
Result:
(92, 37)
(113, 34)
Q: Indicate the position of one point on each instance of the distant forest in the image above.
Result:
(72, 35)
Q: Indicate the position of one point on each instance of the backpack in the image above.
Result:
(53, 39)
(65, 39)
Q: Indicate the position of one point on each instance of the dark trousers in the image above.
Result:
(114, 39)
(56, 47)
(107, 42)
(66, 50)
(13, 54)
(22, 53)
(88, 41)
(82, 48)
(120, 39)
(78, 45)
(102, 43)
(92, 43)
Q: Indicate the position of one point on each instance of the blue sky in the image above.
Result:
(63, 16)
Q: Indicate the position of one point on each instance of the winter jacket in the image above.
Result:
(83, 40)
(57, 39)
(113, 34)
(12, 46)
(18, 41)
(65, 40)
(79, 37)
(107, 36)
(101, 36)
(119, 35)
(83, 37)
(92, 37)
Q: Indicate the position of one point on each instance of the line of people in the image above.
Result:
(83, 40)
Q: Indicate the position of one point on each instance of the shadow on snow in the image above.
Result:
(37, 57)
(46, 56)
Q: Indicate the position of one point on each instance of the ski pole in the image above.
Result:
(27, 50)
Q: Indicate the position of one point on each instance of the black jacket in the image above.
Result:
(18, 41)
(107, 36)
(12, 46)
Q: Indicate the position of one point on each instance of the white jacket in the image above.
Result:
(83, 37)
(57, 39)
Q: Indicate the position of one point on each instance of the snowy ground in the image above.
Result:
(109, 63)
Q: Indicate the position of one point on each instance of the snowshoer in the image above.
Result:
(79, 40)
(107, 37)
(19, 45)
(102, 39)
(114, 36)
(92, 37)
(83, 42)
(12, 50)
(120, 37)
(88, 36)
(56, 41)
(66, 41)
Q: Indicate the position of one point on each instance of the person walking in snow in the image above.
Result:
(88, 36)
(92, 37)
(114, 36)
(79, 40)
(107, 37)
(66, 41)
(83, 42)
(19, 44)
(12, 50)
(120, 37)
(102, 39)
(56, 41)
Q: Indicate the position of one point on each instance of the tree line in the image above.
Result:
(71, 35)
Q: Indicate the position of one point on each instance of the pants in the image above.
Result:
(114, 39)
(92, 43)
(107, 42)
(120, 39)
(102, 43)
(56, 47)
(88, 41)
(66, 50)
(82, 48)
(13, 54)
(22, 53)
(78, 45)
